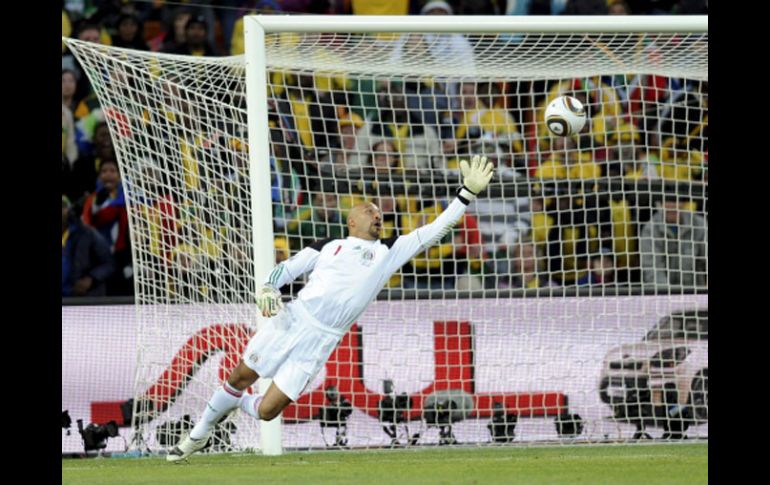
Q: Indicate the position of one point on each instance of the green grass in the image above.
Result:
(644, 464)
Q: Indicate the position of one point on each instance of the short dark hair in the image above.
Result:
(108, 160)
(88, 25)
(128, 16)
(197, 19)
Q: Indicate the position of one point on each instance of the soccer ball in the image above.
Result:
(565, 116)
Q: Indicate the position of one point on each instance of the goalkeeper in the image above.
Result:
(346, 276)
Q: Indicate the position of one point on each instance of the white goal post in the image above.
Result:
(231, 163)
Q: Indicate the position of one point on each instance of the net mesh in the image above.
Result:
(568, 224)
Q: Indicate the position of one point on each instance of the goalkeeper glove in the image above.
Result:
(476, 176)
(269, 301)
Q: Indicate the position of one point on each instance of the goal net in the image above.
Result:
(568, 305)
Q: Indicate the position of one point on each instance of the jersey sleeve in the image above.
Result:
(406, 247)
(295, 266)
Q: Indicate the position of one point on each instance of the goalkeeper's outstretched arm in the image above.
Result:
(476, 177)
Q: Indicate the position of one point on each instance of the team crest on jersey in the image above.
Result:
(367, 256)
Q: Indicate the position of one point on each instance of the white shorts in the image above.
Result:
(291, 349)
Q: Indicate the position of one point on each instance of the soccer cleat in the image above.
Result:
(187, 447)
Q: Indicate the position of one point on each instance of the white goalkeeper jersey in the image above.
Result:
(347, 274)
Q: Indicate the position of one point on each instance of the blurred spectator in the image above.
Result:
(174, 18)
(90, 32)
(85, 96)
(540, 219)
(348, 155)
(501, 220)
(86, 263)
(174, 34)
(618, 7)
(384, 160)
(518, 266)
(448, 46)
(468, 255)
(582, 225)
(195, 39)
(155, 204)
(450, 259)
(69, 150)
(129, 33)
(580, 166)
(623, 140)
(411, 48)
(418, 144)
(83, 173)
(480, 119)
(680, 161)
(683, 128)
(552, 168)
(286, 186)
(673, 246)
(601, 269)
(105, 211)
(87, 32)
(553, 163)
(107, 12)
(567, 161)
(429, 104)
(88, 112)
(314, 113)
(69, 86)
(644, 165)
(285, 191)
(103, 147)
(321, 220)
(311, 110)
(603, 105)
(195, 260)
(69, 90)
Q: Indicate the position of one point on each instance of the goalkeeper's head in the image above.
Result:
(365, 222)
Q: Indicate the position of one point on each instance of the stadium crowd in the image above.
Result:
(567, 231)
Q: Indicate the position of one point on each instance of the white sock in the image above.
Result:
(250, 405)
(224, 400)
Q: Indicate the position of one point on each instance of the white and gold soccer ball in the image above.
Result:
(565, 116)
